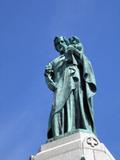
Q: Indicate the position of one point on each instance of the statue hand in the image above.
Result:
(54, 86)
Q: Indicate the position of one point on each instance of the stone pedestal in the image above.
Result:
(78, 146)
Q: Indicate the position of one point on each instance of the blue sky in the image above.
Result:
(27, 30)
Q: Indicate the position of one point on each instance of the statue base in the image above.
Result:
(77, 146)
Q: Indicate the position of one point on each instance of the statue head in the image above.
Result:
(61, 44)
(75, 42)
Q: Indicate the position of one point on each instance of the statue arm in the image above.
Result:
(76, 52)
(49, 77)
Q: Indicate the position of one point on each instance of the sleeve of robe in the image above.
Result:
(49, 77)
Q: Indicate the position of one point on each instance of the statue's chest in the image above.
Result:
(59, 64)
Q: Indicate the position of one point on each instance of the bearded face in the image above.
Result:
(60, 44)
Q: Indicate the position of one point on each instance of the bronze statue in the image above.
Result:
(71, 78)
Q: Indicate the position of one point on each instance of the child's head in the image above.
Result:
(75, 42)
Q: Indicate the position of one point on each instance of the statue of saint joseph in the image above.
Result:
(71, 78)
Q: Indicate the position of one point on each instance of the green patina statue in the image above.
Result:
(71, 78)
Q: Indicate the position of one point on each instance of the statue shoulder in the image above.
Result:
(55, 61)
(86, 58)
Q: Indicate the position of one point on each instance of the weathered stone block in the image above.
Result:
(77, 146)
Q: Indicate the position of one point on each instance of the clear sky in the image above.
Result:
(27, 30)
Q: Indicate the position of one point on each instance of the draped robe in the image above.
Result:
(72, 80)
